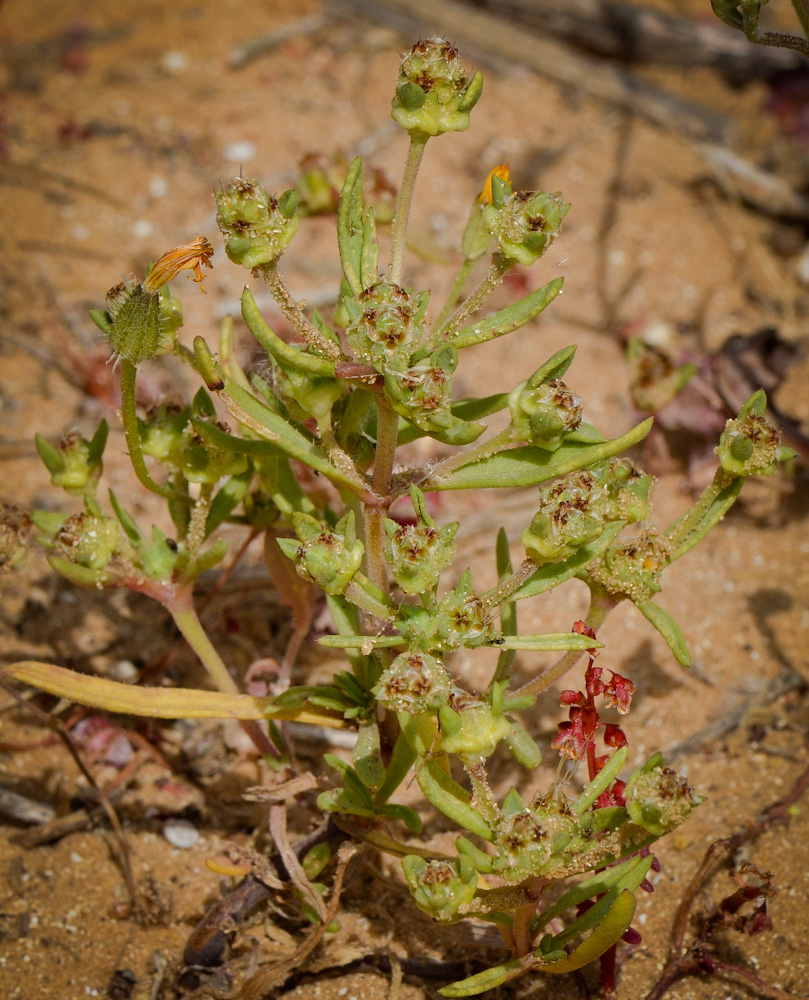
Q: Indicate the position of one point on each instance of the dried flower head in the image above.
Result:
(186, 257)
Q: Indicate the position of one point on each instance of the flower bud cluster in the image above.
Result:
(523, 223)
(168, 434)
(257, 227)
(385, 324)
(530, 839)
(470, 727)
(76, 464)
(461, 619)
(328, 557)
(575, 509)
(416, 683)
(418, 553)
(201, 463)
(15, 533)
(632, 568)
(658, 799)
(542, 414)
(654, 380)
(750, 445)
(432, 94)
(89, 539)
(441, 888)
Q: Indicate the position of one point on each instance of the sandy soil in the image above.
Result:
(116, 125)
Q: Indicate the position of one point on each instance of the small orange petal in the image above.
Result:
(219, 867)
(501, 171)
(187, 257)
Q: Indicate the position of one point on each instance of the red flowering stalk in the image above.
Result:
(576, 739)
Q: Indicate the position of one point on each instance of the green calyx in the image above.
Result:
(750, 445)
(523, 223)
(329, 558)
(257, 227)
(432, 94)
(139, 323)
(576, 508)
(76, 464)
(632, 568)
(441, 888)
(385, 324)
(658, 799)
(542, 414)
(416, 683)
(15, 534)
(417, 554)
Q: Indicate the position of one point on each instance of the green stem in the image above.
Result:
(129, 419)
(199, 517)
(601, 603)
(483, 797)
(365, 602)
(296, 316)
(500, 594)
(185, 618)
(685, 532)
(399, 226)
(455, 291)
(387, 430)
(338, 457)
(467, 457)
(499, 267)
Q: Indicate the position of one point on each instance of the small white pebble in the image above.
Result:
(174, 62)
(239, 152)
(158, 186)
(142, 228)
(75, 858)
(180, 833)
(80, 233)
(123, 671)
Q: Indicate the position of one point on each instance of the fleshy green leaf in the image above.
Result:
(227, 499)
(350, 227)
(486, 980)
(443, 792)
(273, 428)
(549, 642)
(284, 353)
(607, 933)
(668, 628)
(627, 875)
(509, 319)
(529, 465)
(552, 574)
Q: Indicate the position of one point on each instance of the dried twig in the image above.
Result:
(58, 728)
(260, 985)
(278, 831)
(686, 961)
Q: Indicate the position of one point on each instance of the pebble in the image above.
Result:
(124, 671)
(180, 833)
(239, 152)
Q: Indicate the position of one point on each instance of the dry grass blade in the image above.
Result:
(262, 983)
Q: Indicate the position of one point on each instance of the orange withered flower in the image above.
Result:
(187, 257)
